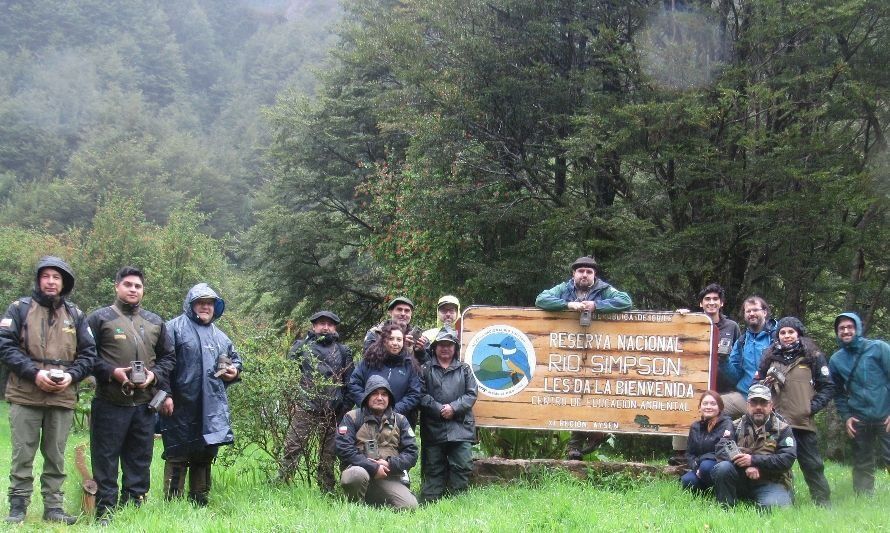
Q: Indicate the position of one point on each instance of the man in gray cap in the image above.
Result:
(325, 366)
(47, 346)
(761, 471)
(400, 310)
(375, 446)
(583, 293)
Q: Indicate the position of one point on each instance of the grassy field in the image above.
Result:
(244, 501)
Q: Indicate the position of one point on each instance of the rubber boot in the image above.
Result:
(174, 479)
(199, 483)
(18, 505)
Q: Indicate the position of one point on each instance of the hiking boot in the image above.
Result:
(678, 459)
(57, 515)
(199, 499)
(574, 455)
(17, 508)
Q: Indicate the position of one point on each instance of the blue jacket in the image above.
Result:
(200, 405)
(864, 394)
(745, 358)
(608, 299)
(399, 372)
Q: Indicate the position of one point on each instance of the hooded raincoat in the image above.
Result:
(861, 373)
(200, 405)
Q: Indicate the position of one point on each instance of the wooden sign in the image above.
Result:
(629, 372)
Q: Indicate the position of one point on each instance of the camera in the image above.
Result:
(585, 317)
(777, 375)
(56, 375)
(371, 449)
(157, 401)
(727, 449)
(138, 374)
(222, 364)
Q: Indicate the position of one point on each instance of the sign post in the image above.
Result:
(628, 372)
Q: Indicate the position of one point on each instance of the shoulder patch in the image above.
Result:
(410, 431)
(789, 441)
(825, 371)
(6, 322)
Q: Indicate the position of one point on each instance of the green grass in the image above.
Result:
(242, 500)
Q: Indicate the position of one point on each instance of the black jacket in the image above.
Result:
(456, 386)
(325, 366)
(702, 443)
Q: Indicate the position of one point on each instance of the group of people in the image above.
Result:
(772, 380)
(142, 365)
(365, 414)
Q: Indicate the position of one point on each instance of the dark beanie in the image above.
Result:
(792, 322)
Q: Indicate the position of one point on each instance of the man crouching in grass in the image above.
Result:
(375, 445)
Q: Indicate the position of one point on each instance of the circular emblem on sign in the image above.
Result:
(503, 360)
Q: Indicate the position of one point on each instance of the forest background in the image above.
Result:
(306, 154)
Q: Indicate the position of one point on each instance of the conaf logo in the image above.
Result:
(503, 360)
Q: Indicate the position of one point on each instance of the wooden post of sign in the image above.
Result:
(628, 372)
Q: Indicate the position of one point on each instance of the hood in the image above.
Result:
(447, 299)
(202, 290)
(856, 337)
(447, 334)
(375, 382)
(62, 267)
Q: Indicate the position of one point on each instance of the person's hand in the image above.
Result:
(382, 469)
(420, 344)
(149, 378)
(742, 460)
(574, 306)
(682, 311)
(447, 412)
(120, 374)
(588, 306)
(167, 407)
(409, 340)
(47, 385)
(752, 472)
(887, 424)
(851, 426)
(230, 373)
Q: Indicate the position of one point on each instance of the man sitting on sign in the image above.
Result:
(586, 294)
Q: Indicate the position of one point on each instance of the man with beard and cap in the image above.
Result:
(400, 310)
(447, 425)
(761, 471)
(47, 345)
(743, 361)
(197, 420)
(861, 372)
(711, 299)
(583, 293)
(447, 316)
(796, 372)
(375, 446)
(325, 367)
(121, 423)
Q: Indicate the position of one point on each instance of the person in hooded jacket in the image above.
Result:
(376, 446)
(47, 346)
(794, 368)
(861, 373)
(325, 366)
(702, 441)
(197, 420)
(447, 424)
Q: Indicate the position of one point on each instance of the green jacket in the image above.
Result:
(865, 392)
(608, 299)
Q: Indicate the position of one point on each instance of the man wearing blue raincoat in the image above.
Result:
(197, 421)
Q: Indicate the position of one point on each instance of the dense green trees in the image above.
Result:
(480, 146)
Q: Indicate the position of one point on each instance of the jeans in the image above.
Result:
(731, 484)
(690, 481)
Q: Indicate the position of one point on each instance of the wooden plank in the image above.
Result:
(631, 372)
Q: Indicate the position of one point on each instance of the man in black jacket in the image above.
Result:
(325, 366)
(47, 346)
(121, 423)
(761, 471)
